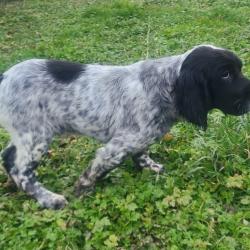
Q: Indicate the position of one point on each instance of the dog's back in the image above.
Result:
(38, 98)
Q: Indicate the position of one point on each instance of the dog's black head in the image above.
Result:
(210, 78)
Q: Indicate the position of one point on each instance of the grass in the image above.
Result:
(203, 199)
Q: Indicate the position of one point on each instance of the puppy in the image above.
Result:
(125, 107)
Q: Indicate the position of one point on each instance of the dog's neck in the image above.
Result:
(158, 77)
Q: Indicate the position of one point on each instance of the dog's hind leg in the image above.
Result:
(142, 160)
(20, 160)
(107, 158)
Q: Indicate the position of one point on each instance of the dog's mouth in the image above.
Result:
(241, 107)
(238, 107)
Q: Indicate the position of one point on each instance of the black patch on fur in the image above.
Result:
(32, 166)
(8, 157)
(63, 71)
(1, 77)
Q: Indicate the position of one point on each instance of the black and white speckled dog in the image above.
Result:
(125, 107)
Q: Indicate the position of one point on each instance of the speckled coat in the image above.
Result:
(125, 107)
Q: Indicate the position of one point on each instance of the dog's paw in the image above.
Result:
(53, 201)
(158, 168)
(81, 190)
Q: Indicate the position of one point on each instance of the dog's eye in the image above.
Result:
(226, 75)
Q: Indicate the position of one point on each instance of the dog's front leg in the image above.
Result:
(107, 158)
(143, 160)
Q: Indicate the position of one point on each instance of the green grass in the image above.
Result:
(203, 199)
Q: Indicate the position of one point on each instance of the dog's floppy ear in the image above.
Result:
(192, 97)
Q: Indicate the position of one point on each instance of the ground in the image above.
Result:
(202, 201)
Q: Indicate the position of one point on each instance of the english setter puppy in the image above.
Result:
(125, 107)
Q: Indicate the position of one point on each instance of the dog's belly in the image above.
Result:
(101, 134)
(94, 126)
